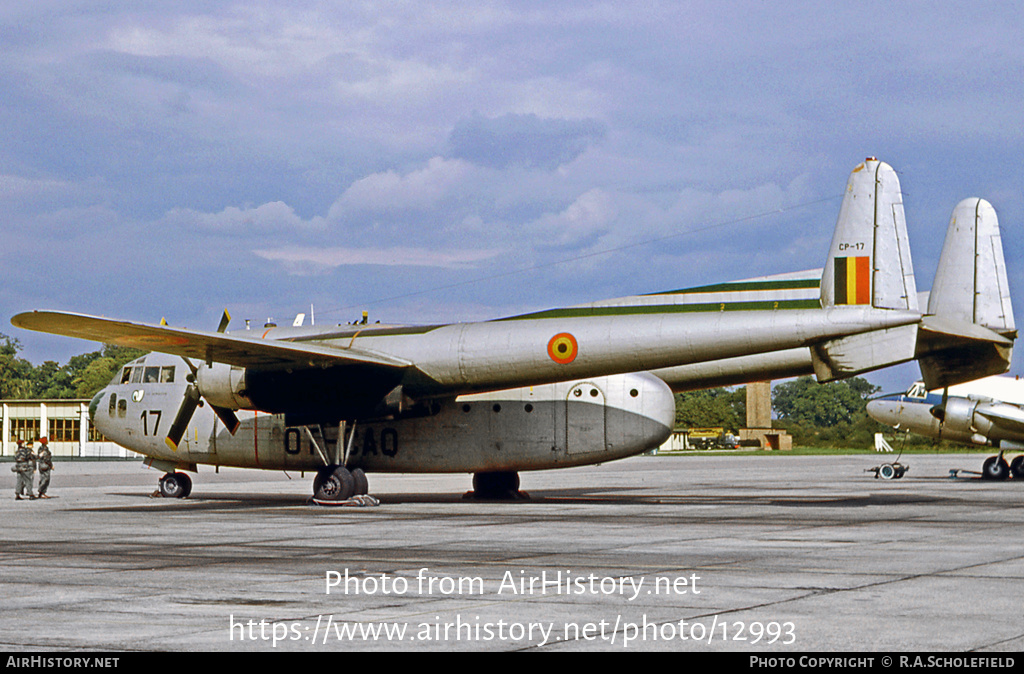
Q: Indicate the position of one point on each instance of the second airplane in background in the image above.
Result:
(988, 411)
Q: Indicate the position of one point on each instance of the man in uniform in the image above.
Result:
(45, 465)
(25, 467)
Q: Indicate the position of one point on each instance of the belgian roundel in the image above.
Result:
(563, 348)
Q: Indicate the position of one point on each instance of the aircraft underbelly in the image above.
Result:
(481, 438)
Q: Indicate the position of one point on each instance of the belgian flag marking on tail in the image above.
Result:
(853, 280)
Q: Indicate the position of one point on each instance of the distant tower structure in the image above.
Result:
(759, 404)
(759, 419)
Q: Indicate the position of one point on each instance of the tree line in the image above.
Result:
(832, 414)
(81, 377)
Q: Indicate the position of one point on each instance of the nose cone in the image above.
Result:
(99, 419)
(94, 405)
(884, 411)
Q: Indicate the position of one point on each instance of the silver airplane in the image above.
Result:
(563, 387)
(988, 411)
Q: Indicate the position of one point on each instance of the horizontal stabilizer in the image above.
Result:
(969, 329)
(857, 354)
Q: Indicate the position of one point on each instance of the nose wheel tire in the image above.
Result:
(175, 485)
(1017, 467)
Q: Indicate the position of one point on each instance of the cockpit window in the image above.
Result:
(144, 375)
(917, 390)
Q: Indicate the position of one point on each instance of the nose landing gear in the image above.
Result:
(175, 485)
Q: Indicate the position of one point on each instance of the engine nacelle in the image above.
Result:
(960, 416)
(980, 419)
(310, 395)
(224, 386)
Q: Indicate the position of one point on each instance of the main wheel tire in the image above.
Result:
(503, 485)
(175, 485)
(1017, 467)
(995, 468)
(338, 485)
(362, 485)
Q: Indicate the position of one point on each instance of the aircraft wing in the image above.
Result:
(201, 345)
(1009, 417)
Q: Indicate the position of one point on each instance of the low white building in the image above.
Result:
(65, 424)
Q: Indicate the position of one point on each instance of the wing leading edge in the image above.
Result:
(206, 346)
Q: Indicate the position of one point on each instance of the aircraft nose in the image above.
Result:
(94, 405)
(883, 411)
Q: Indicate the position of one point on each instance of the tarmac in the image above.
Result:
(766, 554)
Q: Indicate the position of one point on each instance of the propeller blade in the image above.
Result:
(193, 399)
(227, 417)
(181, 419)
(939, 412)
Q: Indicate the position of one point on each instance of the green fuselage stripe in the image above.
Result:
(794, 284)
(762, 305)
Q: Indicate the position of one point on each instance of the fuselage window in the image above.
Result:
(167, 374)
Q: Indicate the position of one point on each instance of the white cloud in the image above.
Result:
(302, 260)
(275, 216)
(391, 191)
(580, 223)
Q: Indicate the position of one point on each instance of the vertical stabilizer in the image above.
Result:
(869, 260)
(973, 243)
(969, 329)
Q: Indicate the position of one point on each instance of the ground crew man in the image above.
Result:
(44, 463)
(25, 467)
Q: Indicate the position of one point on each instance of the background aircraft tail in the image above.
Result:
(868, 266)
(968, 329)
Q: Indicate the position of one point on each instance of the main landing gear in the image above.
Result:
(996, 468)
(502, 486)
(338, 483)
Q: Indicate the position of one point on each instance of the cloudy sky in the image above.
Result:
(452, 161)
